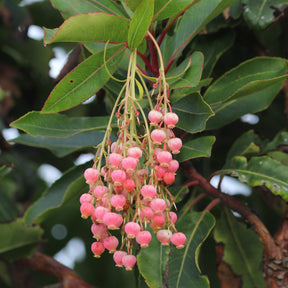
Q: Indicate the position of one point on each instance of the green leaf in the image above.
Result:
(261, 171)
(248, 88)
(90, 27)
(133, 4)
(140, 23)
(158, 255)
(246, 145)
(8, 208)
(243, 250)
(68, 188)
(256, 69)
(192, 76)
(195, 18)
(73, 7)
(183, 263)
(279, 156)
(59, 125)
(281, 139)
(63, 146)
(4, 170)
(259, 14)
(183, 92)
(85, 80)
(193, 113)
(5, 277)
(31, 52)
(165, 9)
(178, 192)
(213, 46)
(196, 148)
(17, 235)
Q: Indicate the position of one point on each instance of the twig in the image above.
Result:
(212, 204)
(191, 183)
(270, 248)
(43, 263)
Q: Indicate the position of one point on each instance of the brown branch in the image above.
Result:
(271, 251)
(43, 263)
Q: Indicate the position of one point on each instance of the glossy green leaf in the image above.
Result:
(192, 76)
(141, 282)
(247, 144)
(165, 9)
(5, 278)
(183, 266)
(261, 171)
(140, 23)
(259, 14)
(32, 52)
(196, 148)
(90, 27)
(4, 170)
(156, 254)
(183, 92)
(85, 80)
(68, 188)
(133, 4)
(59, 125)
(8, 207)
(248, 88)
(213, 46)
(280, 140)
(73, 7)
(178, 192)
(16, 235)
(63, 146)
(193, 113)
(255, 69)
(195, 18)
(243, 250)
(279, 156)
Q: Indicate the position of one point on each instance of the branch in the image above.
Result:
(43, 263)
(271, 251)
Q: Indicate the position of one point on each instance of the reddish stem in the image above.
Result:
(164, 32)
(170, 62)
(146, 62)
(191, 183)
(153, 55)
(196, 200)
(212, 204)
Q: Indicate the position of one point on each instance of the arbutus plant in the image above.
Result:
(162, 95)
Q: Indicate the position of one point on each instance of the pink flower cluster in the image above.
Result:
(131, 190)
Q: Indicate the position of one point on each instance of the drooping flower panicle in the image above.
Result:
(130, 191)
